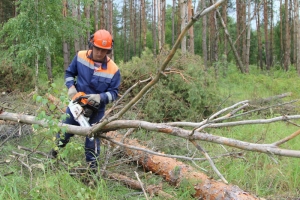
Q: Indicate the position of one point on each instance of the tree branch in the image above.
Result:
(175, 131)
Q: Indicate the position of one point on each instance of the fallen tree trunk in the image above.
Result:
(151, 189)
(175, 171)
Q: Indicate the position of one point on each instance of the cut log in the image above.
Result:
(151, 189)
(175, 171)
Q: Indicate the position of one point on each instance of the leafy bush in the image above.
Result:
(15, 77)
(185, 93)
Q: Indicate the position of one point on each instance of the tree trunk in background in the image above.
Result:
(244, 33)
(183, 16)
(204, 31)
(102, 16)
(82, 39)
(266, 21)
(75, 16)
(87, 16)
(191, 30)
(144, 25)
(297, 30)
(1, 13)
(131, 39)
(213, 37)
(66, 52)
(16, 8)
(173, 21)
(238, 27)
(259, 45)
(287, 50)
(49, 67)
(163, 22)
(247, 54)
(125, 47)
(281, 34)
(237, 57)
(110, 22)
(154, 27)
(224, 17)
(96, 18)
(271, 48)
(135, 28)
(159, 23)
(292, 32)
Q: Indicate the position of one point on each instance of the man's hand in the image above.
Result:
(71, 92)
(94, 97)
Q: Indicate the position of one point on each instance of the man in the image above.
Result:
(97, 76)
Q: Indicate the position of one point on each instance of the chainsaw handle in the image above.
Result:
(83, 98)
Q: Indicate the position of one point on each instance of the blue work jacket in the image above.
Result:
(83, 74)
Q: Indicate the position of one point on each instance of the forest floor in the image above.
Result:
(14, 135)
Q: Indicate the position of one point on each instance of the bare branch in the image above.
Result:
(286, 139)
(141, 184)
(175, 131)
(212, 164)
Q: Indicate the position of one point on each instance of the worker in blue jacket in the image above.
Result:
(94, 73)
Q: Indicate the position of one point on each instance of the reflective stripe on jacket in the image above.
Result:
(104, 81)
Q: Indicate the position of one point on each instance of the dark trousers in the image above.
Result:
(92, 146)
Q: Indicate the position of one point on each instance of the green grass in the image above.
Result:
(268, 176)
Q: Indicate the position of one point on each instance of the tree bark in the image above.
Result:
(204, 35)
(110, 22)
(297, 27)
(154, 27)
(144, 24)
(151, 189)
(175, 171)
(96, 18)
(163, 22)
(247, 55)
(126, 46)
(259, 45)
(183, 16)
(287, 41)
(134, 26)
(191, 30)
(1, 13)
(173, 21)
(102, 16)
(281, 34)
(243, 37)
(65, 44)
(224, 16)
(236, 55)
(75, 16)
(159, 28)
(266, 30)
(271, 49)
(49, 67)
(238, 27)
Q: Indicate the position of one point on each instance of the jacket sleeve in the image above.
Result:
(112, 92)
(71, 73)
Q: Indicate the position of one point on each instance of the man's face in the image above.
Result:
(99, 54)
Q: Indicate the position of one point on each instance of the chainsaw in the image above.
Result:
(82, 109)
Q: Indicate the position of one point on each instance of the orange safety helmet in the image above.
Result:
(103, 39)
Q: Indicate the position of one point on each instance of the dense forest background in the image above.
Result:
(46, 34)
(243, 49)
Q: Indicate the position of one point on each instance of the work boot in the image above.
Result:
(53, 153)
